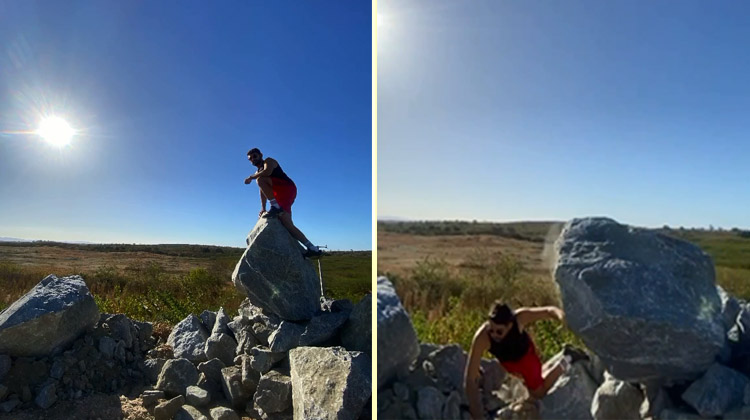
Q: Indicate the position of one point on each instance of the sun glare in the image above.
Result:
(56, 131)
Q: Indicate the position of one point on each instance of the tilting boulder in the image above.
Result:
(397, 340)
(329, 382)
(644, 302)
(48, 318)
(273, 274)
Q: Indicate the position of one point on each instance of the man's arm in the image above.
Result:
(471, 375)
(268, 166)
(526, 316)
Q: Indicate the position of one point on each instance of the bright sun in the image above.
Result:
(56, 131)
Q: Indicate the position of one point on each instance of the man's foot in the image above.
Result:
(310, 253)
(574, 353)
(275, 211)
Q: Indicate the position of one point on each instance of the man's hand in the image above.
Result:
(559, 314)
(248, 179)
(261, 213)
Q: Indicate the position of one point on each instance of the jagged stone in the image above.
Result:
(274, 392)
(329, 382)
(208, 318)
(232, 386)
(151, 368)
(168, 409)
(176, 376)
(223, 413)
(263, 359)
(188, 412)
(212, 369)
(188, 339)
(221, 325)
(615, 399)
(625, 290)
(221, 346)
(48, 318)
(121, 328)
(46, 396)
(430, 403)
(356, 334)
(719, 390)
(197, 396)
(395, 331)
(250, 376)
(273, 274)
(571, 396)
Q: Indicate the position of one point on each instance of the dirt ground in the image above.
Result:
(89, 261)
(398, 253)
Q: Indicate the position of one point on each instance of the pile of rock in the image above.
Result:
(665, 342)
(288, 353)
(55, 345)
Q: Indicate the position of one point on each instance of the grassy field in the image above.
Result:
(158, 283)
(448, 273)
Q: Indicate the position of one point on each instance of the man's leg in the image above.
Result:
(550, 374)
(266, 187)
(286, 220)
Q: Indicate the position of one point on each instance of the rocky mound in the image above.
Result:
(265, 362)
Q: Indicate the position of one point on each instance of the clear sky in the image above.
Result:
(549, 110)
(167, 98)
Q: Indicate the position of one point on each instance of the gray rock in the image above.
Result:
(3, 392)
(221, 346)
(48, 318)
(144, 329)
(168, 409)
(223, 413)
(208, 318)
(719, 390)
(151, 368)
(121, 328)
(197, 396)
(46, 396)
(430, 403)
(730, 308)
(329, 382)
(250, 377)
(395, 331)
(615, 399)
(151, 397)
(176, 376)
(449, 362)
(626, 289)
(677, 414)
(452, 406)
(263, 359)
(58, 369)
(5, 363)
(221, 326)
(188, 412)
(262, 322)
(188, 339)
(274, 393)
(107, 347)
(322, 327)
(571, 396)
(212, 370)
(492, 378)
(232, 386)
(286, 336)
(356, 335)
(273, 274)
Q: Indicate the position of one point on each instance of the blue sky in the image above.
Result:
(549, 110)
(168, 97)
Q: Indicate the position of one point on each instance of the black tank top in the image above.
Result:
(512, 347)
(279, 173)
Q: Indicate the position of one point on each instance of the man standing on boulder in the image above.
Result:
(278, 189)
(504, 337)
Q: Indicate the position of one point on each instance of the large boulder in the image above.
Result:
(48, 318)
(274, 275)
(718, 391)
(644, 302)
(188, 339)
(397, 340)
(329, 382)
(357, 332)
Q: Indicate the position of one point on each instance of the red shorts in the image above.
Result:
(529, 367)
(284, 192)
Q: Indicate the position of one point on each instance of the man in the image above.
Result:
(504, 337)
(280, 191)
